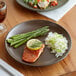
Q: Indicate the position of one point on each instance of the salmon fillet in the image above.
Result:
(31, 56)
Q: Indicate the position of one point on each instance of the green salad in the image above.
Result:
(42, 4)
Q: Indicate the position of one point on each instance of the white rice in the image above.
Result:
(57, 42)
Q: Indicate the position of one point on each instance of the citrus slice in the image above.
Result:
(34, 44)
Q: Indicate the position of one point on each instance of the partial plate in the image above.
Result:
(60, 3)
(46, 57)
(7, 70)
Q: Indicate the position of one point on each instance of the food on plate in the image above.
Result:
(34, 44)
(42, 4)
(32, 50)
(19, 39)
(57, 42)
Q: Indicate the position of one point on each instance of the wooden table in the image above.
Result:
(17, 14)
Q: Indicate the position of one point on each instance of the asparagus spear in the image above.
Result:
(17, 41)
(20, 35)
(35, 35)
(13, 43)
(25, 35)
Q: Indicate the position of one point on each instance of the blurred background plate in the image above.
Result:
(46, 57)
(60, 3)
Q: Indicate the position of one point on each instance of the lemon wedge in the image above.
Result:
(34, 44)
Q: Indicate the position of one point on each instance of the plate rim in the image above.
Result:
(38, 65)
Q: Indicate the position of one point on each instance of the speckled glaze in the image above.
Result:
(60, 3)
(46, 57)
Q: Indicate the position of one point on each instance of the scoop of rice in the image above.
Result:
(57, 42)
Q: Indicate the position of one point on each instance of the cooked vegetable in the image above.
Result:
(54, 3)
(18, 40)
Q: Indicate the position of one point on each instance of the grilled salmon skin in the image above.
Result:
(32, 56)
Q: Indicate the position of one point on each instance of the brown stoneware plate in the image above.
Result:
(60, 3)
(46, 57)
